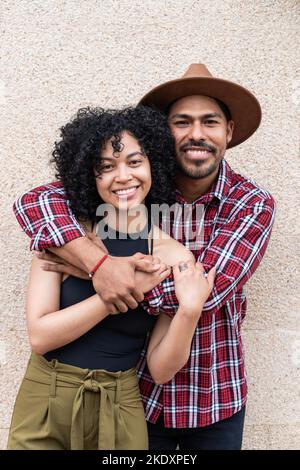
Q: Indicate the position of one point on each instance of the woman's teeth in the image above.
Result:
(122, 192)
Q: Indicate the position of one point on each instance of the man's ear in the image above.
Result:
(230, 128)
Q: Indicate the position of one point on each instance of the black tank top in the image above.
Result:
(114, 344)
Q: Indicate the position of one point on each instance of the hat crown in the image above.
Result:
(197, 70)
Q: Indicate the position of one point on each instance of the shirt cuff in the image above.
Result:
(162, 299)
(56, 233)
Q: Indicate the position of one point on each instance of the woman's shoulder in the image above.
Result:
(168, 249)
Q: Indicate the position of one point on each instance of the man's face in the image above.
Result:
(202, 134)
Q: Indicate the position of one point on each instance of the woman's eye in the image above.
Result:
(106, 167)
(135, 162)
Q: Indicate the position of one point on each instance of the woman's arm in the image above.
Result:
(170, 342)
(48, 327)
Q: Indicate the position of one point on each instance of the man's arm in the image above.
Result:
(45, 215)
(236, 249)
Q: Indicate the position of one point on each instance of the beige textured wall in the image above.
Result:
(60, 55)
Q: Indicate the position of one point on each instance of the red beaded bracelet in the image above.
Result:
(91, 274)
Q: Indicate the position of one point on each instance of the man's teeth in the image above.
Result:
(198, 152)
(126, 191)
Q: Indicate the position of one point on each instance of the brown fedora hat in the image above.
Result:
(244, 108)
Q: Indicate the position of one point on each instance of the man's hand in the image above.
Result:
(115, 280)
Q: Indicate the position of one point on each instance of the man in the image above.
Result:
(203, 406)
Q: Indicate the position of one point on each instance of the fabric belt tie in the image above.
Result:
(109, 386)
(108, 413)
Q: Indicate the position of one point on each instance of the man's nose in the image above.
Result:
(197, 132)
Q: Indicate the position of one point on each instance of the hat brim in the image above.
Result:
(244, 108)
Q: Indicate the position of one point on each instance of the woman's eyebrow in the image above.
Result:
(106, 158)
(139, 152)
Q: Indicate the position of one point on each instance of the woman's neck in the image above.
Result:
(132, 221)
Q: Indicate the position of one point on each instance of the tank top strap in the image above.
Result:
(151, 239)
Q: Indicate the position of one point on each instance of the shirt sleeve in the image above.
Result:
(236, 249)
(45, 215)
(162, 299)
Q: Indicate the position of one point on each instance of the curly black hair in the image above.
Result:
(77, 155)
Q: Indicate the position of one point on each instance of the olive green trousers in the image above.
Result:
(65, 407)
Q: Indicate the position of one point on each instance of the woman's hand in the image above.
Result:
(192, 287)
(58, 265)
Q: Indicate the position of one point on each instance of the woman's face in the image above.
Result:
(125, 177)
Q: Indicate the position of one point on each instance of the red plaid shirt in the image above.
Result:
(238, 219)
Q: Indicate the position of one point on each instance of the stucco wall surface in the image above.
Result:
(58, 56)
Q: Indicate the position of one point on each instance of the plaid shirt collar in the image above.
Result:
(219, 189)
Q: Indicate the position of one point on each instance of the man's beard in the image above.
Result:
(198, 169)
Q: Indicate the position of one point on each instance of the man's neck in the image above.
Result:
(192, 189)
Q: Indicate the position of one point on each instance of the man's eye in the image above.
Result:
(211, 121)
(181, 123)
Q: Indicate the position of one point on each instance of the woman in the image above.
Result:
(80, 390)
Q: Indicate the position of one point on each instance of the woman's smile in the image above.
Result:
(127, 193)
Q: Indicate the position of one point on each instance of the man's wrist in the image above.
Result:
(80, 252)
(97, 265)
(92, 254)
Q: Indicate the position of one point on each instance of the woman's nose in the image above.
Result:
(123, 174)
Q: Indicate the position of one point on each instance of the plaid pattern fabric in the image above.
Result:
(237, 223)
(45, 216)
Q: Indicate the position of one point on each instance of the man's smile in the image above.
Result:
(198, 152)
